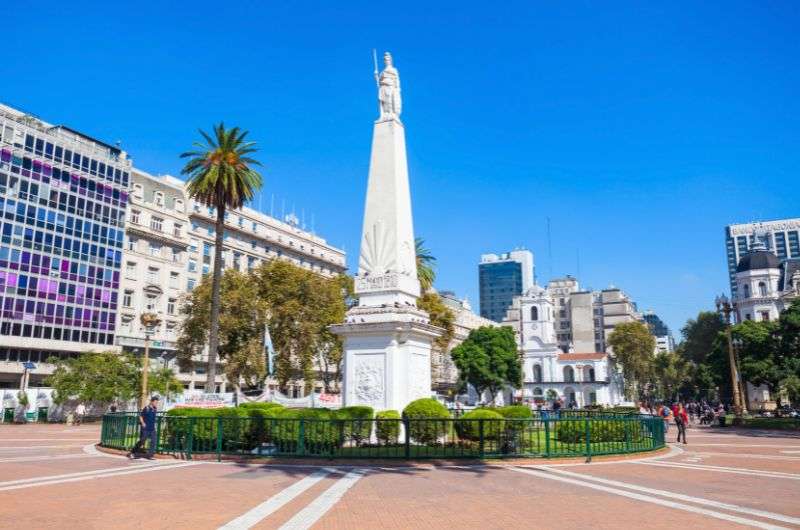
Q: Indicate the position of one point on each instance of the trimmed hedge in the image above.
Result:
(319, 435)
(516, 412)
(600, 431)
(357, 426)
(493, 424)
(388, 429)
(426, 432)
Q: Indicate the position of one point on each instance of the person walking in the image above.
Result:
(665, 413)
(147, 432)
(681, 421)
(80, 412)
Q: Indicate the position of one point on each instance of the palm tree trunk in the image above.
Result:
(213, 338)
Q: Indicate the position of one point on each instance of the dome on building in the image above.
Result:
(759, 259)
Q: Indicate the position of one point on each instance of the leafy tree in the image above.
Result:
(426, 266)
(221, 176)
(700, 335)
(107, 377)
(441, 316)
(488, 359)
(671, 371)
(633, 346)
(301, 306)
(241, 324)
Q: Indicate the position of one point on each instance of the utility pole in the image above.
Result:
(725, 308)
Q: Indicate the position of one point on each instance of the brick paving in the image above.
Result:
(733, 478)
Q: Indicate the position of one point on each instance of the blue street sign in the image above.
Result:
(29, 365)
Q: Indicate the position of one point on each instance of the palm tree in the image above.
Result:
(220, 176)
(426, 272)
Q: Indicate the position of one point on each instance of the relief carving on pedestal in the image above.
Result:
(420, 376)
(369, 381)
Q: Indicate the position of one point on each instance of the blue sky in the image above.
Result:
(639, 130)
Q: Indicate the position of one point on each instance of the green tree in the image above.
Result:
(107, 377)
(488, 359)
(633, 346)
(700, 336)
(221, 176)
(440, 316)
(671, 371)
(242, 319)
(301, 305)
(426, 265)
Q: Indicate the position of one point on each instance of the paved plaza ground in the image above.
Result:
(51, 477)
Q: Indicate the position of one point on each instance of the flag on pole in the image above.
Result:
(269, 349)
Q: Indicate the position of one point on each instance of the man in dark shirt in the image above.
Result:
(147, 423)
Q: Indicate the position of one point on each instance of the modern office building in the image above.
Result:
(665, 343)
(501, 278)
(781, 237)
(169, 246)
(63, 196)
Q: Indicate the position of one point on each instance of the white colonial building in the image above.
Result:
(583, 378)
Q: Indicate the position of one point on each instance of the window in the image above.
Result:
(746, 290)
(569, 374)
(170, 329)
(193, 245)
(537, 373)
(152, 274)
(171, 306)
(130, 270)
(534, 313)
(151, 303)
(138, 191)
(176, 229)
(179, 205)
(127, 299)
(765, 316)
(747, 316)
(158, 197)
(132, 241)
(156, 223)
(190, 284)
(192, 265)
(155, 249)
(135, 216)
(762, 288)
(174, 277)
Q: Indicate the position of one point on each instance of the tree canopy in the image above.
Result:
(107, 377)
(297, 304)
(488, 359)
(633, 346)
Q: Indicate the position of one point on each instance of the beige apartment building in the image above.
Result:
(169, 245)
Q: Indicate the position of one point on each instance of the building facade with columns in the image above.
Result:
(583, 378)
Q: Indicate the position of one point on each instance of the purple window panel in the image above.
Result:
(65, 266)
(26, 258)
(12, 279)
(37, 166)
(47, 169)
(5, 155)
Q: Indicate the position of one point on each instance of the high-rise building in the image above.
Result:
(781, 237)
(501, 278)
(665, 343)
(561, 289)
(63, 196)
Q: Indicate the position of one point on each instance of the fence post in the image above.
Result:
(407, 429)
(546, 437)
(219, 439)
(190, 439)
(480, 438)
(157, 448)
(588, 440)
(301, 442)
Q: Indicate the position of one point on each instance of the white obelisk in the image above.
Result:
(387, 339)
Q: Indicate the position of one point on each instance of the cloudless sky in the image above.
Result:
(639, 130)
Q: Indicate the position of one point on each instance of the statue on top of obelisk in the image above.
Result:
(388, 89)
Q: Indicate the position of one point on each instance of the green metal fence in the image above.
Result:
(386, 438)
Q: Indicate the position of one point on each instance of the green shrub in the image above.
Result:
(318, 436)
(427, 432)
(387, 429)
(570, 431)
(601, 430)
(263, 407)
(468, 427)
(356, 422)
(622, 410)
(516, 412)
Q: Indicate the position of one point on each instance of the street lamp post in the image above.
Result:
(149, 322)
(725, 308)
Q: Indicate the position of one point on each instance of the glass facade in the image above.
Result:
(499, 283)
(62, 211)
